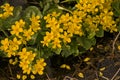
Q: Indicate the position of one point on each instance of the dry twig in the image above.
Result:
(115, 74)
(113, 45)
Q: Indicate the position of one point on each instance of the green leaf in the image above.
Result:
(74, 48)
(66, 51)
(47, 6)
(58, 51)
(33, 39)
(39, 37)
(17, 11)
(91, 35)
(116, 7)
(85, 42)
(100, 33)
(31, 10)
(47, 52)
(118, 27)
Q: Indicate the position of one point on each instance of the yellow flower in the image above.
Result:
(39, 66)
(5, 44)
(27, 70)
(49, 36)
(24, 77)
(10, 52)
(13, 62)
(16, 30)
(56, 29)
(28, 33)
(55, 14)
(23, 54)
(35, 19)
(32, 76)
(26, 58)
(35, 23)
(65, 66)
(76, 19)
(65, 18)
(24, 65)
(20, 23)
(66, 37)
(8, 10)
(14, 44)
(47, 18)
(18, 76)
(18, 27)
(31, 56)
(51, 22)
(56, 43)
(46, 41)
(40, 72)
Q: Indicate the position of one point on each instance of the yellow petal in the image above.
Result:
(91, 49)
(100, 74)
(102, 69)
(81, 75)
(86, 59)
(63, 66)
(68, 67)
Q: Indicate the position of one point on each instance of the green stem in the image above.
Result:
(62, 8)
(67, 1)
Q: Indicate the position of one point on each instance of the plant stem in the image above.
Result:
(62, 8)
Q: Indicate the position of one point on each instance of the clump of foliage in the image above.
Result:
(32, 35)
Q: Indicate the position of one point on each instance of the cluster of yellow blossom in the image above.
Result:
(26, 57)
(17, 29)
(7, 10)
(29, 67)
(39, 66)
(15, 45)
(35, 26)
(98, 13)
(10, 46)
(62, 27)
(24, 33)
(27, 63)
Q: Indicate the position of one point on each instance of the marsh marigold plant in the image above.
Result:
(30, 35)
